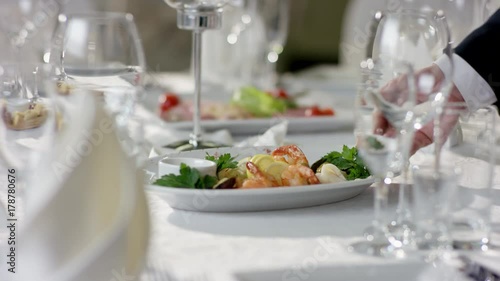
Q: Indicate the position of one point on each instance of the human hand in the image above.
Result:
(432, 78)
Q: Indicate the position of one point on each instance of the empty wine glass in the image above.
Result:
(247, 47)
(270, 20)
(453, 196)
(462, 16)
(21, 21)
(27, 128)
(102, 54)
(378, 151)
(418, 38)
(197, 16)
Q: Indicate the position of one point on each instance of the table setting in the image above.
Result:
(232, 171)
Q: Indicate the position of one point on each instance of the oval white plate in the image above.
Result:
(343, 119)
(341, 102)
(244, 200)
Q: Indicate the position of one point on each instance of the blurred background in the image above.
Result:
(318, 32)
(314, 31)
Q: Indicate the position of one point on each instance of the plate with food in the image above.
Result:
(257, 179)
(250, 111)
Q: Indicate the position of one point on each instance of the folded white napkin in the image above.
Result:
(86, 213)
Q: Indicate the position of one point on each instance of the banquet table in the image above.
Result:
(294, 244)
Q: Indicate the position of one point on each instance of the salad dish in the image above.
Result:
(249, 111)
(261, 178)
(245, 103)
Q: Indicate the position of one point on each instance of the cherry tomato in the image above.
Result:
(316, 111)
(281, 93)
(168, 100)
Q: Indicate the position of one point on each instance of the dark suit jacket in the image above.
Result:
(481, 49)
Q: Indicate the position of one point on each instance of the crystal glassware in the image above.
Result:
(27, 129)
(270, 20)
(24, 22)
(463, 16)
(197, 16)
(453, 196)
(378, 151)
(101, 53)
(418, 38)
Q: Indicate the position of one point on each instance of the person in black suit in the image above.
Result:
(476, 77)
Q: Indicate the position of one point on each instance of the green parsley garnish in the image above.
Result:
(188, 178)
(224, 161)
(347, 161)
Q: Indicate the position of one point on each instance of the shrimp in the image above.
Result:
(259, 178)
(290, 154)
(298, 175)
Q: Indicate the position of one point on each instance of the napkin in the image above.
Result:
(86, 215)
(274, 136)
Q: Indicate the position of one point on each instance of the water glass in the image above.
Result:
(453, 190)
(432, 192)
(471, 209)
(247, 47)
(101, 52)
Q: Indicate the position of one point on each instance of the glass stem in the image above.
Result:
(438, 137)
(380, 204)
(405, 142)
(18, 83)
(196, 135)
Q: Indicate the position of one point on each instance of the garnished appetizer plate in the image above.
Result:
(252, 196)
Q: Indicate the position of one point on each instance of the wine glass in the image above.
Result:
(453, 201)
(27, 129)
(418, 38)
(378, 151)
(197, 16)
(270, 20)
(463, 16)
(102, 54)
(22, 22)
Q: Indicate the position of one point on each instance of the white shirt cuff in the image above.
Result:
(473, 88)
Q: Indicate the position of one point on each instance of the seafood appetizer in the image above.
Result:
(284, 166)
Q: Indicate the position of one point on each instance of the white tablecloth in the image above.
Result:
(295, 242)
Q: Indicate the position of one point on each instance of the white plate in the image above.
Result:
(342, 104)
(243, 200)
(390, 271)
(343, 119)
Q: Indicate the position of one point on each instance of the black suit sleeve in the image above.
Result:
(481, 49)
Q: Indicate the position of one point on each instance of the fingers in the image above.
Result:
(380, 123)
(425, 136)
(422, 138)
(455, 95)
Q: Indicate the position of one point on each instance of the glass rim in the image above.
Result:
(95, 15)
(415, 12)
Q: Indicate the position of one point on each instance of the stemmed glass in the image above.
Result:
(378, 151)
(418, 38)
(270, 19)
(197, 16)
(20, 22)
(102, 54)
(462, 16)
(27, 129)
